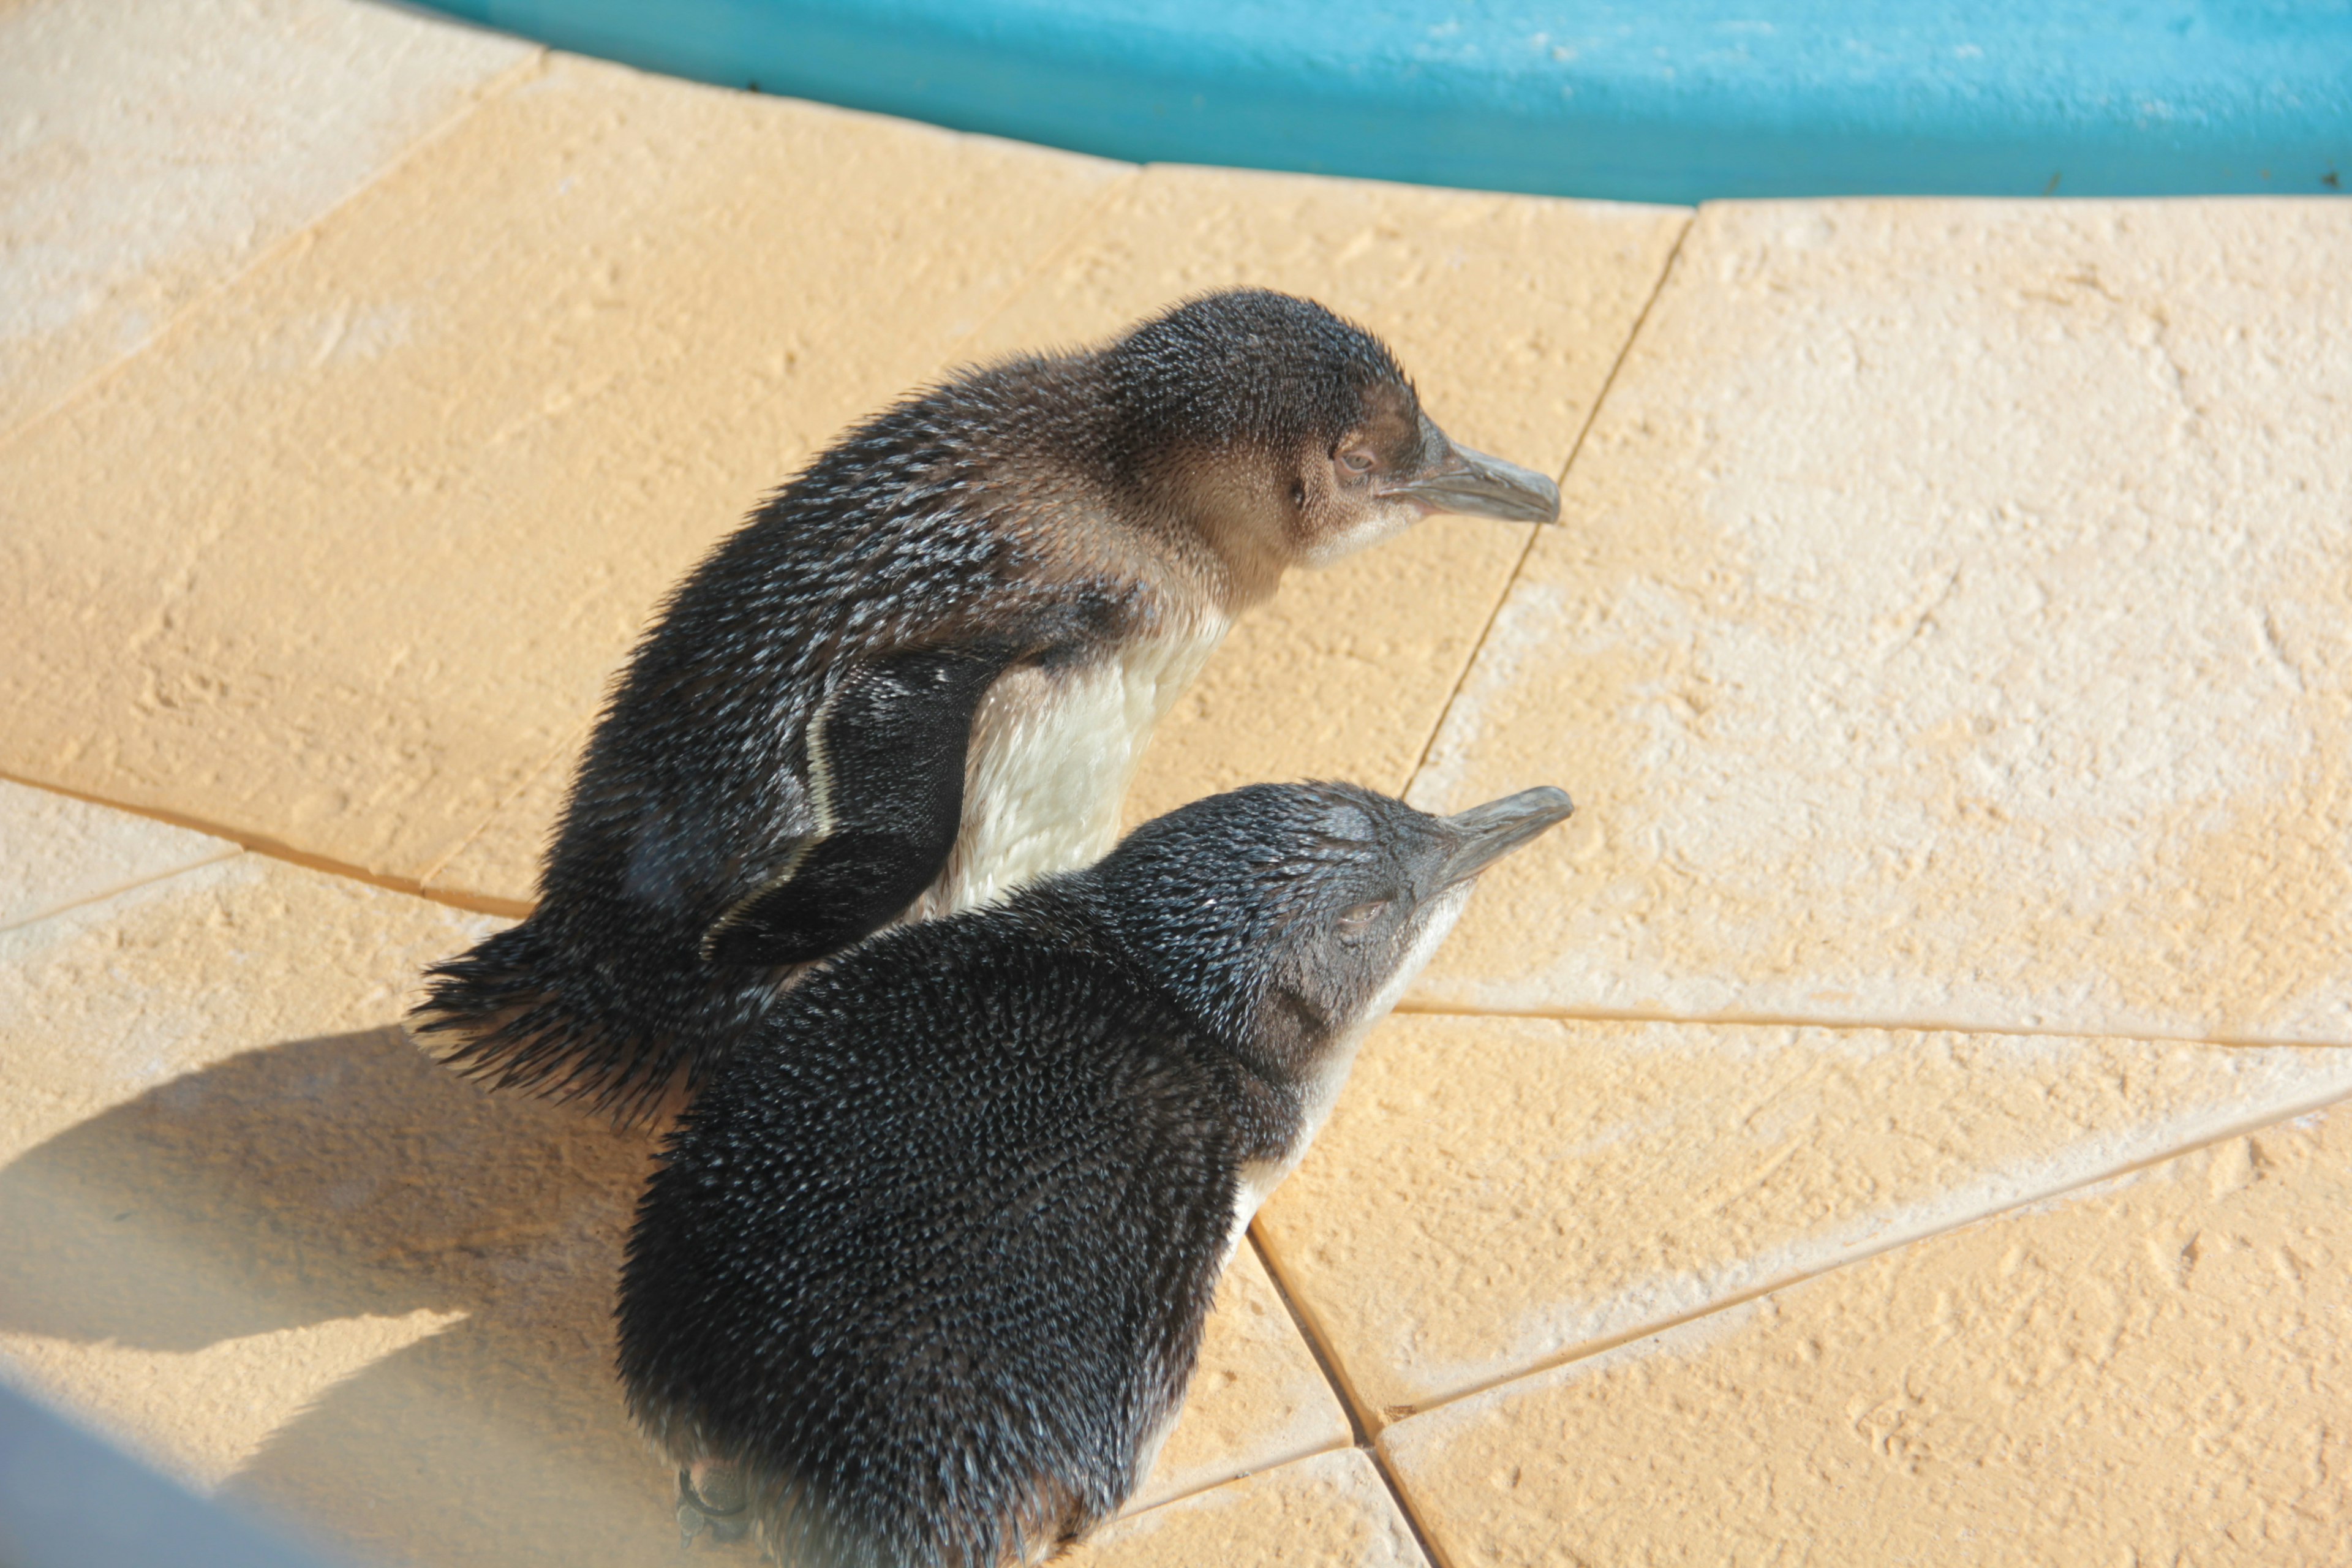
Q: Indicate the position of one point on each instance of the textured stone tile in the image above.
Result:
(1509, 311)
(1955, 628)
(246, 1230)
(346, 557)
(496, 867)
(1331, 1508)
(2151, 1372)
(1495, 1194)
(115, 997)
(1257, 1398)
(202, 1414)
(57, 851)
(155, 149)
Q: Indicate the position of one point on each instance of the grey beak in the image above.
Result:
(1476, 485)
(1484, 834)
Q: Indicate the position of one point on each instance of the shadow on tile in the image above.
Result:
(313, 1191)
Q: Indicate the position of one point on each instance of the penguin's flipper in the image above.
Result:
(886, 762)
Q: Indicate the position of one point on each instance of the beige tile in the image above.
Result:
(1257, 1398)
(118, 996)
(341, 561)
(1956, 628)
(202, 1414)
(496, 867)
(1495, 1194)
(246, 1230)
(1342, 676)
(1508, 311)
(158, 149)
(2152, 1371)
(1330, 1511)
(57, 851)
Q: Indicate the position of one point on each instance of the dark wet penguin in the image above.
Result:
(921, 1281)
(923, 672)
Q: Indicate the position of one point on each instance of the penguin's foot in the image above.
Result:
(710, 1497)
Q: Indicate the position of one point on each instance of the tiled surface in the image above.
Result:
(496, 867)
(1495, 1194)
(338, 563)
(154, 150)
(56, 852)
(1957, 629)
(1328, 1510)
(1945, 641)
(2149, 1373)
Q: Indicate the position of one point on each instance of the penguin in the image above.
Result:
(923, 673)
(920, 1282)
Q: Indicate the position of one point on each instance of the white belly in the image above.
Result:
(1051, 757)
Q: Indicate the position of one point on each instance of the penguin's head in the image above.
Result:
(1287, 917)
(1290, 436)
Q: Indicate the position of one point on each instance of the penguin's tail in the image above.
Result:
(513, 1014)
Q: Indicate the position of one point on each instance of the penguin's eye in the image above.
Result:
(1356, 461)
(1356, 920)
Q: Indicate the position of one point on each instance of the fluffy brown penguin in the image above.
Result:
(922, 1278)
(923, 673)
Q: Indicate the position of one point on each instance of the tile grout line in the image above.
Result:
(276, 849)
(1494, 614)
(1421, 1536)
(1892, 1025)
(1205, 1488)
(1051, 253)
(1535, 533)
(492, 88)
(1862, 1255)
(424, 879)
(229, 851)
(480, 904)
(1360, 1434)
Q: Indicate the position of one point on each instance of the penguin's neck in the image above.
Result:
(1187, 536)
(1226, 540)
(1317, 1089)
(1212, 524)
(1248, 573)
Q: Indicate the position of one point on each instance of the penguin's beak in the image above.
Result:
(1474, 484)
(1484, 834)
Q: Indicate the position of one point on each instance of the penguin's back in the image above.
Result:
(928, 1269)
(924, 533)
